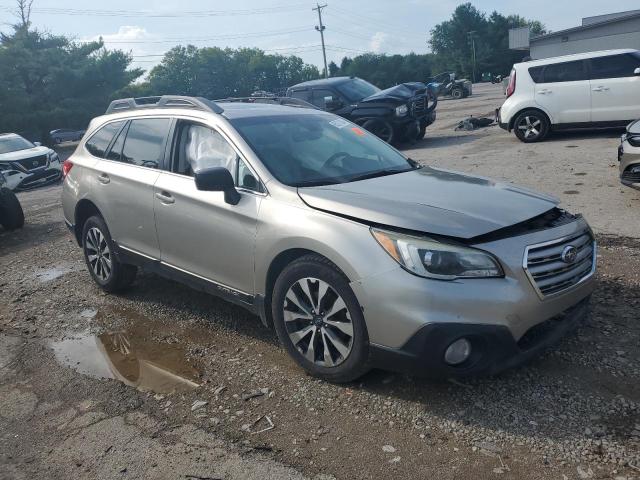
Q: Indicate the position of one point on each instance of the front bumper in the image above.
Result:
(493, 347)
(629, 157)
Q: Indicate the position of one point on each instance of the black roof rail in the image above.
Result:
(164, 101)
(287, 101)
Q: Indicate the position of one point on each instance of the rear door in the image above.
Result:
(615, 89)
(563, 91)
(200, 234)
(124, 182)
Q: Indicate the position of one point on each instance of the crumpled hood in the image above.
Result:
(433, 201)
(402, 92)
(21, 154)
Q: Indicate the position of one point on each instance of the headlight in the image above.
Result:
(430, 258)
(402, 110)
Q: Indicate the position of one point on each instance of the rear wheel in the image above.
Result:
(11, 213)
(105, 269)
(457, 93)
(319, 321)
(531, 126)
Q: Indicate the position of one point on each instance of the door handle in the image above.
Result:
(165, 198)
(600, 88)
(544, 91)
(104, 178)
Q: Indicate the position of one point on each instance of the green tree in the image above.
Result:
(214, 72)
(48, 81)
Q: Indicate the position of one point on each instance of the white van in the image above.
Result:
(586, 90)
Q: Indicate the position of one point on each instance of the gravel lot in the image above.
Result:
(574, 413)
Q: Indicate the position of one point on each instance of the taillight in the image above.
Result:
(66, 167)
(511, 88)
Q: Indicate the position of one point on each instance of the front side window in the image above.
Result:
(615, 66)
(199, 147)
(246, 179)
(356, 89)
(145, 142)
(322, 97)
(565, 72)
(99, 141)
(302, 95)
(309, 149)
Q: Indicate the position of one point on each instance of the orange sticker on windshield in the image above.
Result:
(358, 131)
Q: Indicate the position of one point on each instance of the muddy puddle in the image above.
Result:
(131, 356)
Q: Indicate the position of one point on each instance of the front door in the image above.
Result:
(615, 88)
(564, 92)
(199, 233)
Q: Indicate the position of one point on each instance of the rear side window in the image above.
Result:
(565, 72)
(536, 74)
(615, 66)
(99, 141)
(145, 142)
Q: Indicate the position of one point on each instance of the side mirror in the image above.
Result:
(636, 71)
(217, 179)
(332, 103)
(37, 144)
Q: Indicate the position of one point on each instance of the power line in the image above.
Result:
(168, 14)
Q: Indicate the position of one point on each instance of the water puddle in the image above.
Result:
(130, 356)
(48, 274)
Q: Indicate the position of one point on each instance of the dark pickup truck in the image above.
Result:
(400, 113)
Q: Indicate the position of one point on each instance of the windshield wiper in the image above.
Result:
(380, 173)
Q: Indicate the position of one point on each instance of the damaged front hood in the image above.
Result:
(401, 93)
(433, 201)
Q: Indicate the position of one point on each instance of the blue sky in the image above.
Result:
(280, 26)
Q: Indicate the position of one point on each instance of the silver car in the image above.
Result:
(629, 156)
(358, 256)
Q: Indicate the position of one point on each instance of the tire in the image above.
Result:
(421, 132)
(96, 241)
(381, 128)
(341, 333)
(457, 93)
(11, 213)
(531, 126)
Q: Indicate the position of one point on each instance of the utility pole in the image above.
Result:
(473, 58)
(321, 28)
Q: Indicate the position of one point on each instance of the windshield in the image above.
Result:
(317, 149)
(13, 144)
(356, 89)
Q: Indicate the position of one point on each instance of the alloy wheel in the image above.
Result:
(531, 126)
(98, 253)
(318, 322)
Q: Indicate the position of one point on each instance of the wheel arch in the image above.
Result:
(83, 211)
(276, 266)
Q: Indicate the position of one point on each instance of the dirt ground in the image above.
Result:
(165, 382)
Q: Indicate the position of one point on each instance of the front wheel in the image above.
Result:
(531, 126)
(457, 93)
(319, 321)
(11, 213)
(105, 269)
(380, 128)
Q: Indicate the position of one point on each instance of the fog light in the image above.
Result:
(458, 352)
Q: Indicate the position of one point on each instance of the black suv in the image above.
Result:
(400, 113)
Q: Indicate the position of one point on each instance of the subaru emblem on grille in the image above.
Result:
(569, 254)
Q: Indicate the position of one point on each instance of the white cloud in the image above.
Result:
(379, 41)
(132, 39)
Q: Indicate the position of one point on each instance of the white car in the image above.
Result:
(586, 90)
(27, 165)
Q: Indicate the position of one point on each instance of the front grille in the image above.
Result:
(32, 163)
(418, 106)
(631, 177)
(548, 266)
